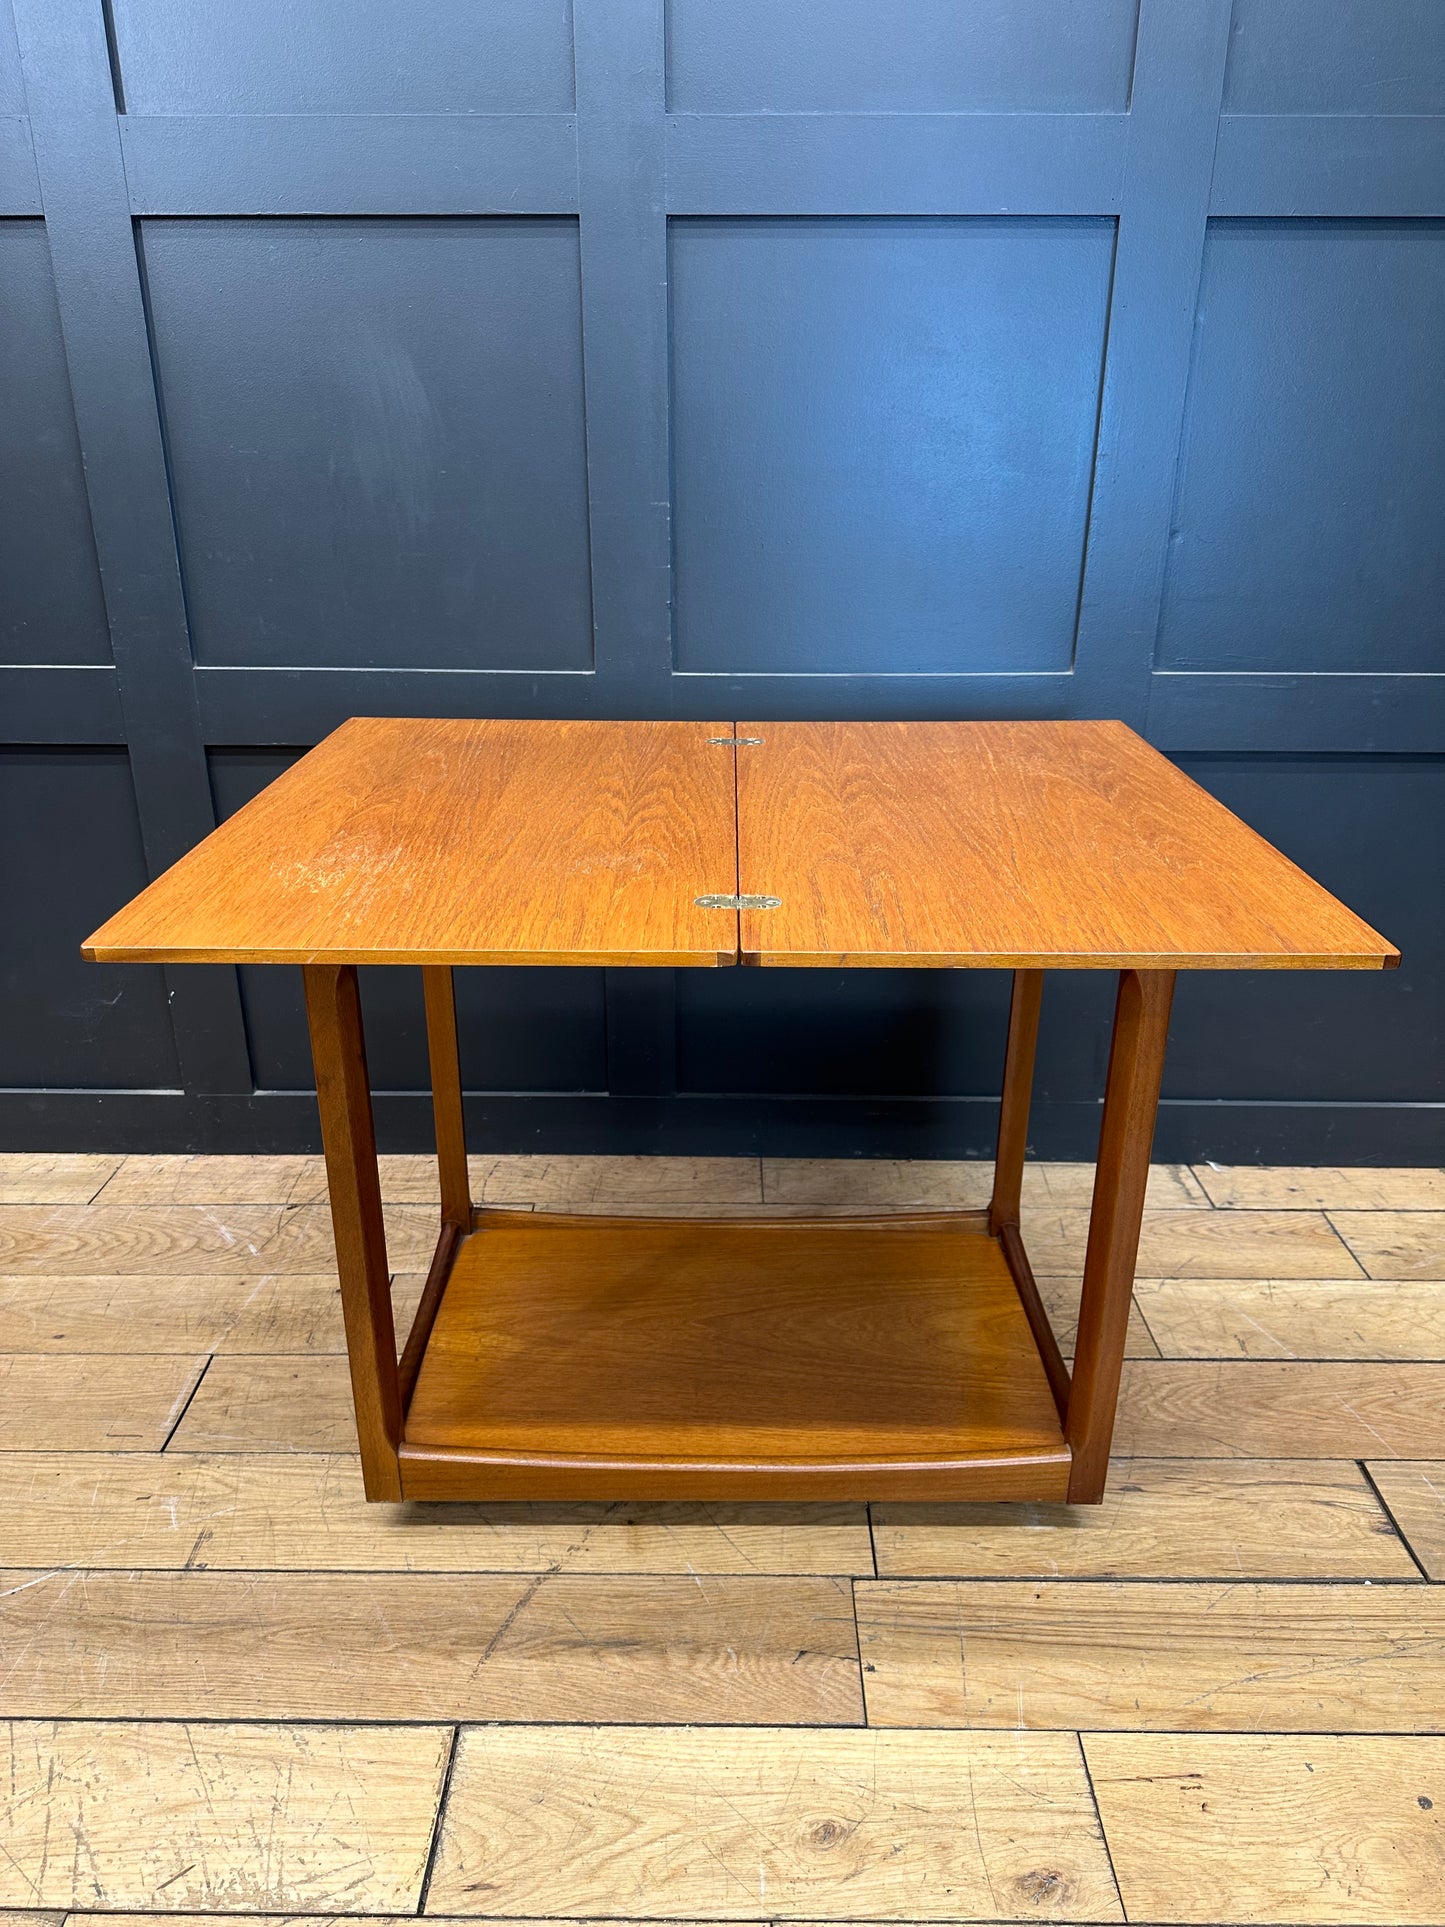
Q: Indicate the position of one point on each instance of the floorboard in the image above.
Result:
(1250, 1827)
(1140, 1657)
(730, 1826)
(217, 1818)
(302, 1512)
(322, 1646)
(236, 1689)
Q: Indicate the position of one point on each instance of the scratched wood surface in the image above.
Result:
(1007, 844)
(400, 840)
(236, 1689)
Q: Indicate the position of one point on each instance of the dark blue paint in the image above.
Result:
(1307, 531)
(1373, 830)
(69, 816)
(1369, 57)
(367, 56)
(376, 439)
(930, 56)
(882, 440)
(51, 607)
(957, 404)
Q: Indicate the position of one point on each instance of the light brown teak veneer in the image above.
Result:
(900, 1358)
(437, 842)
(1017, 846)
(686, 1352)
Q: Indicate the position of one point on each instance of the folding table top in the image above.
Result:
(1038, 844)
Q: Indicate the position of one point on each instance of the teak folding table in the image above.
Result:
(864, 1356)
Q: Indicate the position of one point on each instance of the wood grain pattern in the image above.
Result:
(1061, 1302)
(222, 1818)
(403, 840)
(1126, 1132)
(271, 1404)
(1211, 1658)
(81, 1403)
(299, 1512)
(1283, 1187)
(443, 1057)
(412, 1647)
(198, 1179)
(78, 1918)
(1309, 1828)
(554, 1183)
(1294, 1318)
(1263, 1409)
(45, 1177)
(569, 1183)
(883, 1826)
(1203, 1244)
(1395, 1244)
(1014, 845)
(1018, 1083)
(1415, 1495)
(1161, 1518)
(176, 1312)
(243, 1239)
(348, 1139)
(957, 1184)
(865, 1341)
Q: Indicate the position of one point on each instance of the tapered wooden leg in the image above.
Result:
(1126, 1137)
(1018, 1083)
(446, 1095)
(343, 1093)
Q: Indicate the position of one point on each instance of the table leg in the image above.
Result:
(343, 1095)
(1126, 1137)
(1018, 1082)
(446, 1095)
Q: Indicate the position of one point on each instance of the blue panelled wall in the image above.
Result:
(721, 358)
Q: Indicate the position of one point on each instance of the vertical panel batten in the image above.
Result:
(619, 51)
(66, 65)
(1179, 67)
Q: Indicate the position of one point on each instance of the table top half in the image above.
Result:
(1069, 845)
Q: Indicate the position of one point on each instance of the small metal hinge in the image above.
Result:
(736, 740)
(737, 903)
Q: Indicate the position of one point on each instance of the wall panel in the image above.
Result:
(70, 815)
(718, 358)
(931, 56)
(1308, 518)
(51, 607)
(883, 436)
(1371, 829)
(369, 56)
(376, 440)
(1350, 57)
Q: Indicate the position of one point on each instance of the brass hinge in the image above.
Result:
(735, 740)
(737, 903)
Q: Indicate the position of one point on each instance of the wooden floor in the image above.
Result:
(232, 1687)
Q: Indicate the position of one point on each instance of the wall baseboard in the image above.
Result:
(1191, 1130)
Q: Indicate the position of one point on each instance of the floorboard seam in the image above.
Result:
(1103, 1831)
(437, 1824)
(1395, 1525)
(181, 1415)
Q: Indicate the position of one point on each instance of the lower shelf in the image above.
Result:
(576, 1357)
